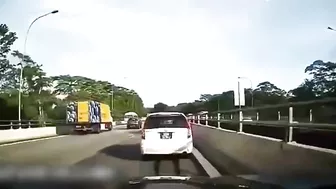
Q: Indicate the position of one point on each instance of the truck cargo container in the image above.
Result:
(89, 116)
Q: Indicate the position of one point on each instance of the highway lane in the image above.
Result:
(117, 148)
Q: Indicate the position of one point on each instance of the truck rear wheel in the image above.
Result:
(96, 128)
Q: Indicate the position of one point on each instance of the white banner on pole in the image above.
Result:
(239, 95)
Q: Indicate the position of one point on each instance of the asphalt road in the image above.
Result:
(118, 148)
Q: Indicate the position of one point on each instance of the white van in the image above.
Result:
(166, 133)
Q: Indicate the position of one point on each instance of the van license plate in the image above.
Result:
(166, 135)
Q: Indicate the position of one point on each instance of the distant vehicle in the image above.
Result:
(129, 115)
(89, 116)
(203, 115)
(133, 123)
(166, 133)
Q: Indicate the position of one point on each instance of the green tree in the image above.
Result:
(160, 107)
(7, 39)
(324, 78)
(35, 85)
(41, 94)
(205, 97)
(77, 88)
(303, 92)
(321, 85)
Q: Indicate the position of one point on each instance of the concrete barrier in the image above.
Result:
(243, 154)
(13, 135)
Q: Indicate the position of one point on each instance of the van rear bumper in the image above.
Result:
(150, 149)
(83, 129)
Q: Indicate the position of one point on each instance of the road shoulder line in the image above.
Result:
(9, 143)
(207, 166)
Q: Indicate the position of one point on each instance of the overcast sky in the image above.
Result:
(172, 51)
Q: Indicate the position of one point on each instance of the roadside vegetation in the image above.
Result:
(41, 93)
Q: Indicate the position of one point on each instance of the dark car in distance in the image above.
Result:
(133, 123)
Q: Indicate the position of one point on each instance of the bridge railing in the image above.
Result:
(291, 122)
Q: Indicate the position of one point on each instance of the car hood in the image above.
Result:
(295, 181)
(222, 181)
(248, 181)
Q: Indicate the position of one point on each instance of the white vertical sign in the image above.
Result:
(239, 95)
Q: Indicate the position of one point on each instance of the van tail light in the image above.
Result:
(189, 129)
(143, 134)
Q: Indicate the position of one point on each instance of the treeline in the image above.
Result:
(322, 84)
(45, 97)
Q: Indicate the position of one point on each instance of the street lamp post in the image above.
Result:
(330, 28)
(250, 87)
(23, 60)
(133, 97)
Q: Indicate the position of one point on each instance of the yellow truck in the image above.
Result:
(89, 116)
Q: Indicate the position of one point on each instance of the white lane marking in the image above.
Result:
(33, 140)
(130, 135)
(207, 166)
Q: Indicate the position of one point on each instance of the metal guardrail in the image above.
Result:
(280, 129)
(15, 124)
(25, 124)
(290, 104)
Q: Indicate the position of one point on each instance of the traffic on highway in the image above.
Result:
(119, 148)
(167, 94)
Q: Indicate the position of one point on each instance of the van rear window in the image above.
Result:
(162, 121)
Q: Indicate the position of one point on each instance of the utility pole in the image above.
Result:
(112, 101)
(239, 94)
(133, 102)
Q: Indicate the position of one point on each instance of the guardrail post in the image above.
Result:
(29, 124)
(198, 119)
(240, 121)
(218, 120)
(231, 116)
(257, 116)
(11, 125)
(310, 115)
(206, 119)
(279, 115)
(289, 135)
